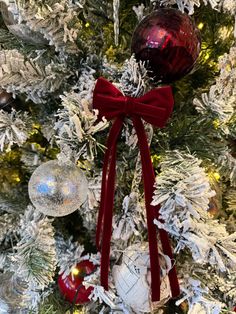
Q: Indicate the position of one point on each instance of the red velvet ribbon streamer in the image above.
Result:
(154, 107)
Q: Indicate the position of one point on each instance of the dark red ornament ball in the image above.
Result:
(170, 43)
(71, 286)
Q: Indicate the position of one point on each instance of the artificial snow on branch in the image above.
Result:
(229, 6)
(4, 261)
(133, 78)
(202, 286)
(139, 11)
(231, 200)
(89, 209)
(21, 75)
(219, 107)
(32, 297)
(215, 108)
(196, 297)
(77, 123)
(32, 156)
(18, 296)
(14, 128)
(99, 294)
(12, 291)
(188, 4)
(220, 103)
(8, 226)
(9, 42)
(57, 21)
(131, 220)
(69, 254)
(35, 256)
(183, 191)
(227, 166)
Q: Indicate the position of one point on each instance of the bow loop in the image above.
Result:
(155, 107)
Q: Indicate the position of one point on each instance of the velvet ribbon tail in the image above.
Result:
(104, 226)
(152, 213)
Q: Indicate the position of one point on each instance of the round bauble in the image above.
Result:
(7, 102)
(132, 279)
(170, 43)
(57, 190)
(12, 20)
(71, 286)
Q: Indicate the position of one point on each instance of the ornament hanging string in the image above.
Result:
(154, 107)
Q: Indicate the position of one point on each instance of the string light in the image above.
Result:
(216, 175)
(216, 123)
(200, 26)
(75, 271)
(17, 179)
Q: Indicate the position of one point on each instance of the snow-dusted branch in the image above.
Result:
(21, 75)
(183, 190)
(35, 256)
(14, 129)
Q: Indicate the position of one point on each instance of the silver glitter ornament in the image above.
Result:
(57, 190)
(12, 19)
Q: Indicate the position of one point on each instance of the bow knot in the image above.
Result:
(154, 107)
(129, 106)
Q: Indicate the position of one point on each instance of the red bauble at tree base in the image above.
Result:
(71, 286)
(169, 42)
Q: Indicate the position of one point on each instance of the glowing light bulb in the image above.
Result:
(216, 123)
(216, 175)
(200, 26)
(75, 271)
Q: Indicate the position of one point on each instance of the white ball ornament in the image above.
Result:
(133, 277)
(57, 190)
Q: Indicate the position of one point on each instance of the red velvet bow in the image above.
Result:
(154, 107)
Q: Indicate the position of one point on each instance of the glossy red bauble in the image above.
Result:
(170, 43)
(71, 286)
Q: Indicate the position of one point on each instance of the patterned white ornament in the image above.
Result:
(132, 279)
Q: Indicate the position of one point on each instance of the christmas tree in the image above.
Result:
(118, 156)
